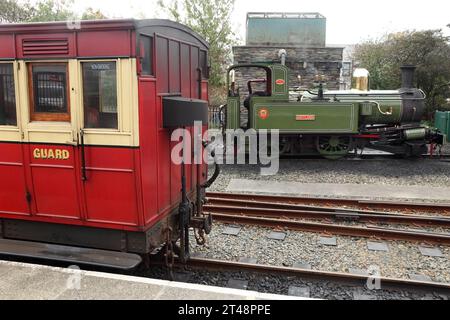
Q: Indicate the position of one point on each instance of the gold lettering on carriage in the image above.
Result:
(51, 154)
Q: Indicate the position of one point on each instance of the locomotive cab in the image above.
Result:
(271, 84)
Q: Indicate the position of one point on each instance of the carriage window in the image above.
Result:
(100, 95)
(204, 64)
(7, 96)
(49, 92)
(146, 52)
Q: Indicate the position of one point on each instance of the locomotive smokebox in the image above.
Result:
(408, 72)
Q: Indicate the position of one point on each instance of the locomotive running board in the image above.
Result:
(74, 255)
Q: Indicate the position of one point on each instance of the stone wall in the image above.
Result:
(304, 61)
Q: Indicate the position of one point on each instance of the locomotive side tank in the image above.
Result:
(331, 123)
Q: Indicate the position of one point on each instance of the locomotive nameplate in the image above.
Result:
(51, 154)
(305, 117)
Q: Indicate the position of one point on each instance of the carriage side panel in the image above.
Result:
(7, 50)
(149, 158)
(104, 44)
(13, 195)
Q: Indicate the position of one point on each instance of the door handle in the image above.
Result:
(83, 157)
(74, 141)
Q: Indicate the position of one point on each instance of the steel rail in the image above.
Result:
(364, 157)
(266, 210)
(276, 205)
(386, 283)
(404, 206)
(328, 228)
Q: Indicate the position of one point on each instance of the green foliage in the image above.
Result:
(52, 10)
(212, 20)
(92, 14)
(429, 50)
(14, 11)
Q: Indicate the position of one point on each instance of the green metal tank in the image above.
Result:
(442, 122)
(296, 29)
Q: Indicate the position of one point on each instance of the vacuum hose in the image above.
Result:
(216, 173)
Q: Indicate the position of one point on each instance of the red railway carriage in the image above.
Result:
(85, 150)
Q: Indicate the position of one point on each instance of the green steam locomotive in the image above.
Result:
(332, 124)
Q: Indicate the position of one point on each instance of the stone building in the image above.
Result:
(303, 36)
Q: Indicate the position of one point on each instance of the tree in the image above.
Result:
(13, 11)
(429, 50)
(92, 14)
(212, 20)
(52, 10)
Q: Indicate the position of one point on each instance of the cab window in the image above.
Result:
(49, 92)
(7, 96)
(100, 95)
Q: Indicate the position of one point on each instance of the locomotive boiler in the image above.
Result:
(330, 123)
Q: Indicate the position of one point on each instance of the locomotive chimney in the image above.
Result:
(408, 76)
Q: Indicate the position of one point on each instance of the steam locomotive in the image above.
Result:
(332, 124)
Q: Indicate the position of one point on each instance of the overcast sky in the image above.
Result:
(348, 21)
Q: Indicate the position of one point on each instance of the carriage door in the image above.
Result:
(52, 138)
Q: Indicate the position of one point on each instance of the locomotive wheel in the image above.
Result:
(333, 147)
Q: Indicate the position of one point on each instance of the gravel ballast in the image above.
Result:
(318, 289)
(419, 172)
(400, 261)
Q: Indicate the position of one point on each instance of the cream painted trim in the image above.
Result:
(67, 132)
(13, 133)
(127, 133)
(47, 131)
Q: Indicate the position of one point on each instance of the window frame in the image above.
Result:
(47, 116)
(347, 72)
(13, 64)
(153, 57)
(205, 72)
(118, 95)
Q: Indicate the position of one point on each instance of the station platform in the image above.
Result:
(331, 190)
(20, 281)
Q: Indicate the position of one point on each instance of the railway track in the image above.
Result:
(368, 157)
(344, 278)
(286, 213)
(337, 204)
